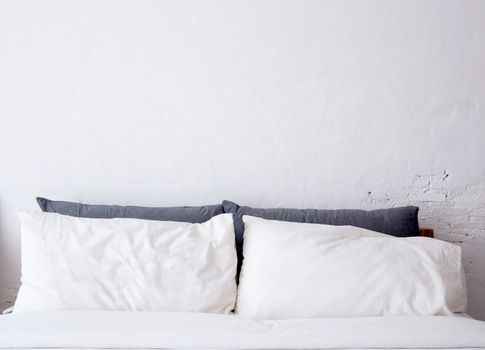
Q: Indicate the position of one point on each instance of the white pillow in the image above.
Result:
(73, 263)
(294, 270)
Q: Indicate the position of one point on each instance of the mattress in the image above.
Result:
(165, 330)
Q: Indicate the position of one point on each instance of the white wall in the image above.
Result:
(359, 104)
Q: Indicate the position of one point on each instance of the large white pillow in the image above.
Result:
(294, 270)
(73, 263)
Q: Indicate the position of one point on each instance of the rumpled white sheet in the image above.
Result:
(164, 330)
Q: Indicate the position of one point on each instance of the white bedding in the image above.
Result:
(162, 330)
(300, 270)
(71, 263)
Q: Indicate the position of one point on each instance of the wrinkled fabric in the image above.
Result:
(184, 214)
(126, 264)
(399, 222)
(293, 270)
(161, 330)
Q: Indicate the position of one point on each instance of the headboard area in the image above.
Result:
(426, 232)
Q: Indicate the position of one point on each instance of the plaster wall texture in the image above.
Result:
(325, 104)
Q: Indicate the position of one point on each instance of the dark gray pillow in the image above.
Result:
(399, 222)
(184, 214)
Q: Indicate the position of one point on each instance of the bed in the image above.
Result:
(46, 317)
(162, 330)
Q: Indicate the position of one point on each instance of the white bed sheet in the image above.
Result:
(162, 330)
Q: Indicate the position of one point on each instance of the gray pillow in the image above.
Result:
(184, 214)
(399, 222)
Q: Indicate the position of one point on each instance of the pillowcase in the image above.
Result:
(184, 214)
(293, 270)
(126, 264)
(399, 222)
